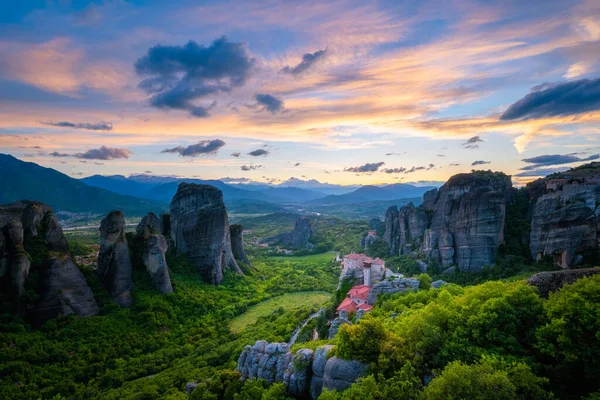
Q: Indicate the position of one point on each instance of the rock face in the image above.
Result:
(565, 223)
(304, 373)
(237, 243)
(337, 322)
(461, 224)
(114, 260)
(200, 229)
(392, 286)
(62, 287)
(548, 282)
(153, 247)
(296, 239)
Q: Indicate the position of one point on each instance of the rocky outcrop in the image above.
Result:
(237, 243)
(438, 284)
(565, 223)
(153, 246)
(299, 238)
(460, 224)
(548, 282)
(200, 230)
(62, 288)
(394, 285)
(114, 260)
(341, 374)
(304, 373)
(342, 319)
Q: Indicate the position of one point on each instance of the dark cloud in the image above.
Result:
(541, 171)
(454, 165)
(100, 126)
(235, 154)
(147, 172)
(555, 159)
(308, 60)
(202, 148)
(369, 167)
(414, 169)
(259, 152)
(480, 162)
(270, 103)
(178, 76)
(561, 99)
(250, 167)
(57, 154)
(472, 143)
(441, 155)
(297, 164)
(394, 170)
(104, 153)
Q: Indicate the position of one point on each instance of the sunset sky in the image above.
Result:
(348, 92)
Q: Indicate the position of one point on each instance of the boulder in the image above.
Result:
(318, 370)
(341, 374)
(337, 322)
(394, 285)
(438, 284)
(297, 376)
(548, 282)
(200, 230)
(237, 244)
(114, 260)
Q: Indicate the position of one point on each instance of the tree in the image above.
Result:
(362, 341)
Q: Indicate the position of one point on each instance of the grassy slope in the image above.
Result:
(288, 301)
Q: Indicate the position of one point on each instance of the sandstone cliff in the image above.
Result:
(461, 224)
(299, 238)
(61, 286)
(114, 260)
(200, 229)
(548, 282)
(305, 373)
(564, 217)
(152, 248)
(237, 244)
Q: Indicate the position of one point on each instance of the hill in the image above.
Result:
(373, 193)
(28, 181)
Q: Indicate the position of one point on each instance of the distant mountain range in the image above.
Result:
(141, 193)
(21, 180)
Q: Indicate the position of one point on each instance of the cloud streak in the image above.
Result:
(100, 126)
(258, 153)
(104, 153)
(369, 167)
(202, 148)
(308, 60)
(269, 102)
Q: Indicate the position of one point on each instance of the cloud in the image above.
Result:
(541, 171)
(57, 154)
(555, 159)
(235, 154)
(259, 152)
(561, 99)
(147, 172)
(472, 143)
(297, 164)
(100, 126)
(308, 60)
(250, 167)
(204, 147)
(480, 162)
(394, 154)
(104, 153)
(394, 170)
(270, 103)
(454, 165)
(369, 167)
(178, 76)
(414, 169)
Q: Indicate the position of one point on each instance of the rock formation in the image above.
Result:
(114, 260)
(548, 282)
(305, 373)
(200, 229)
(296, 239)
(153, 247)
(564, 221)
(438, 284)
(337, 322)
(461, 224)
(62, 287)
(392, 286)
(237, 243)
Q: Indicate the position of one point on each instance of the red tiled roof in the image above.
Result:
(354, 256)
(366, 307)
(347, 305)
(359, 292)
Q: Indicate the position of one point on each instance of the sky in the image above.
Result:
(345, 92)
